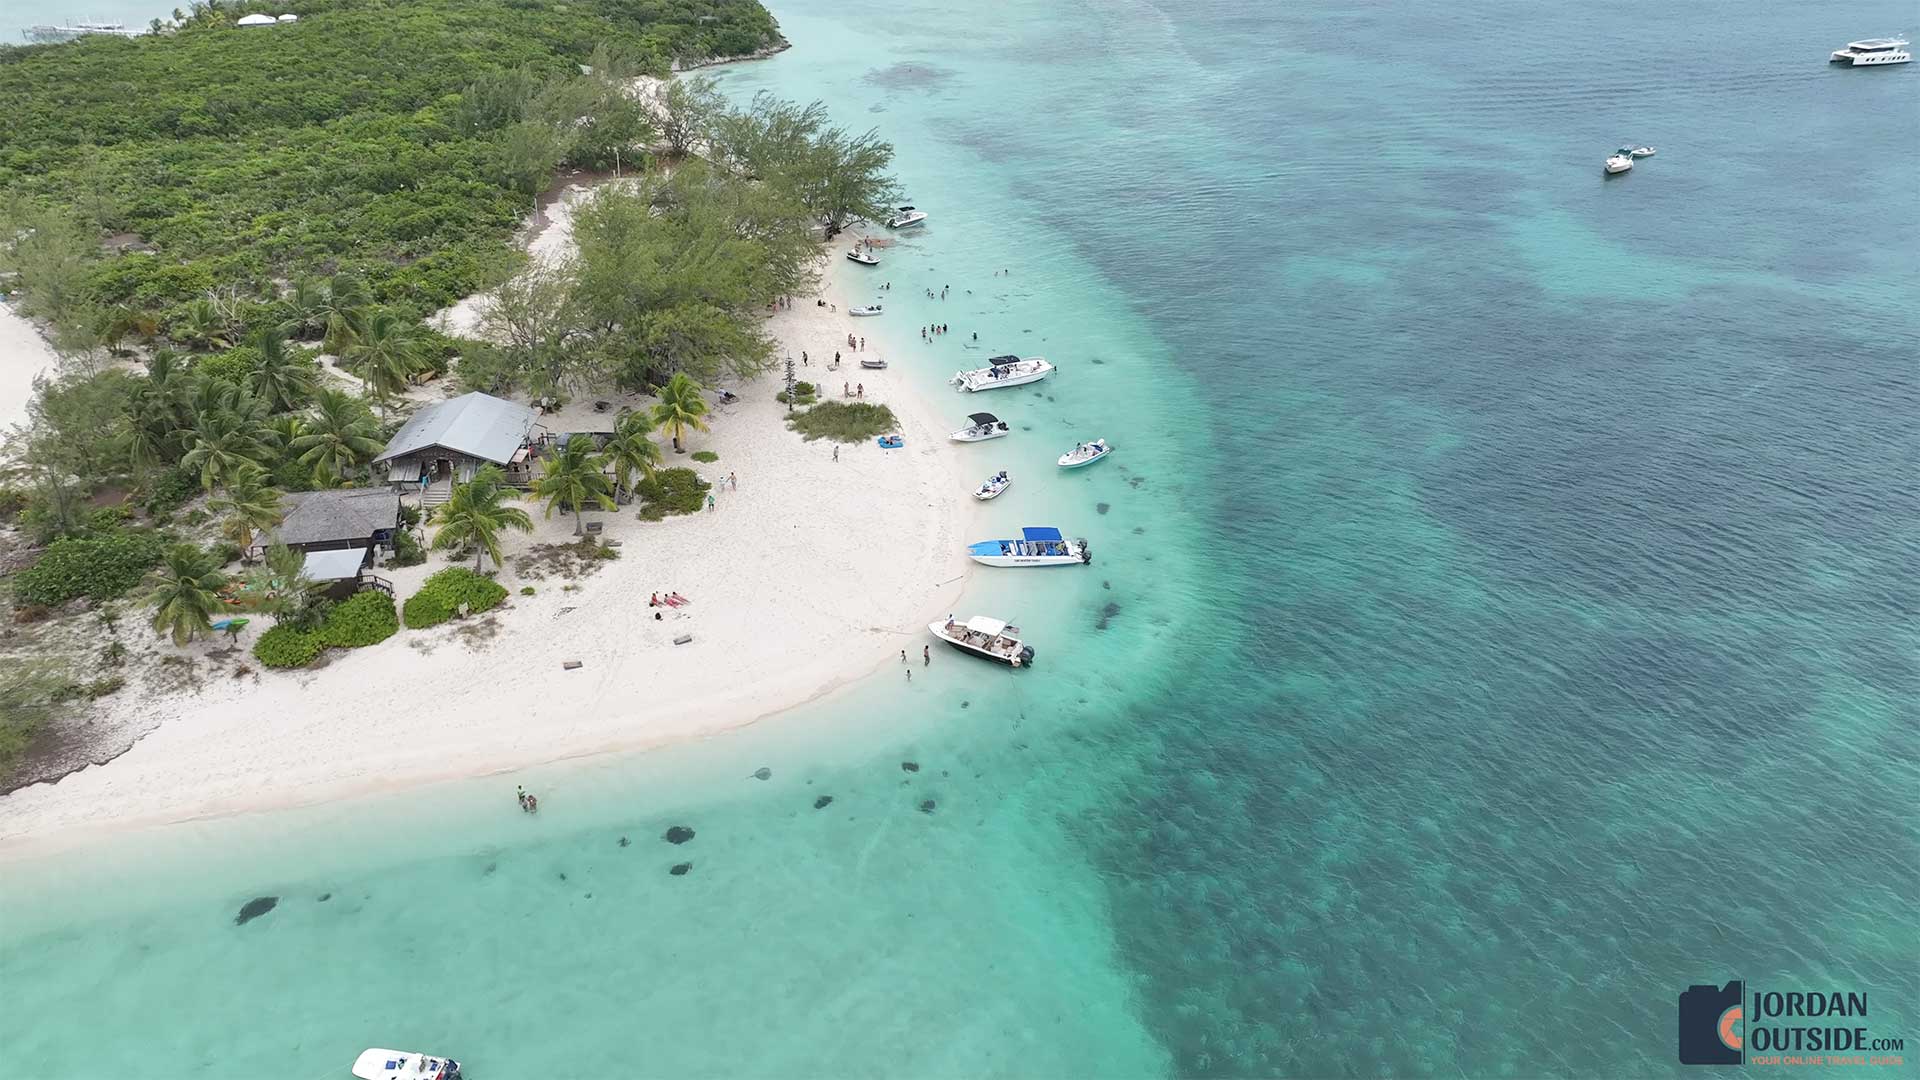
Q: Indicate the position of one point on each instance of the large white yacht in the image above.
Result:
(1002, 372)
(1873, 52)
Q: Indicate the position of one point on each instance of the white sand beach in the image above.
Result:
(24, 354)
(809, 576)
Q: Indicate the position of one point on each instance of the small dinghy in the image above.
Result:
(906, 218)
(864, 257)
(985, 426)
(891, 442)
(1642, 151)
(874, 363)
(404, 1065)
(864, 309)
(988, 639)
(1085, 454)
(994, 485)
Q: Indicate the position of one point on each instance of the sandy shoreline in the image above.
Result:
(24, 354)
(796, 594)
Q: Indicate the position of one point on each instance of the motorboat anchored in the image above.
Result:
(1037, 546)
(993, 486)
(1872, 52)
(404, 1065)
(1618, 162)
(988, 639)
(985, 426)
(1085, 454)
(906, 217)
(1003, 371)
(864, 257)
(864, 309)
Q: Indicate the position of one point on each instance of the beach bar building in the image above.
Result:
(340, 532)
(445, 444)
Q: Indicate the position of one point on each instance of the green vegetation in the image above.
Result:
(29, 696)
(671, 491)
(474, 515)
(443, 594)
(681, 407)
(571, 479)
(365, 618)
(705, 457)
(844, 421)
(184, 593)
(287, 647)
(98, 567)
(632, 451)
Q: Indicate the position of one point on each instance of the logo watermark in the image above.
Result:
(1727, 1025)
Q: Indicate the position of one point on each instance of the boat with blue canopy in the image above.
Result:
(1037, 546)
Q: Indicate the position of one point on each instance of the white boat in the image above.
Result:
(1619, 161)
(864, 309)
(1872, 52)
(874, 363)
(48, 34)
(404, 1065)
(1037, 546)
(864, 257)
(993, 486)
(988, 639)
(1003, 371)
(1642, 151)
(1085, 454)
(985, 426)
(906, 217)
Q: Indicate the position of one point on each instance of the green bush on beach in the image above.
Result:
(705, 457)
(362, 619)
(439, 599)
(101, 567)
(671, 491)
(285, 647)
(844, 421)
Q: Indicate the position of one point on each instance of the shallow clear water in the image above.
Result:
(1504, 612)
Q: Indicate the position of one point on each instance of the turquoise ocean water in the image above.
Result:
(1503, 615)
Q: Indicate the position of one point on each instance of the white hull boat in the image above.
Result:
(994, 485)
(866, 309)
(1642, 151)
(874, 364)
(906, 218)
(988, 639)
(864, 258)
(1036, 547)
(1873, 52)
(404, 1065)
(985, 426)
(1002, 372)
(1085, 454)
(1618, 163)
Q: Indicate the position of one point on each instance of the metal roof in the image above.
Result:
(336, 565)
(1040, 532)
(477, 425)
(317, 517)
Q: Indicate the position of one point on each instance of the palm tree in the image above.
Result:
(346, 299)
(340, 436)
(473, 515)
(573, 478)
(249, 504)
(201, 325)
(681, 407)
(229, 432)
(184, 592)
(632, 449)
(387, 352)
(282, 378)
(280, 587)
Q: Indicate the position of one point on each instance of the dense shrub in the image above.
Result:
(439, 599)
(101, 567)
(407, 550)
(225, 553)
(12, 501)
(363, 619)
(285, 647)
(170, 490)
(705, 457)
(232, 366)
(843, 421)
(670, 491)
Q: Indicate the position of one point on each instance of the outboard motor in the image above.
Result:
(1026, 656)
(1086, 553)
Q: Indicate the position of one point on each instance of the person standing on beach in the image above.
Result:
(926, 656)
(709, 500)
(903, 656)
(733, 481)
(836, 452)
(863, 344)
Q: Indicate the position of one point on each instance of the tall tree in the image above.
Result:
(572, 477)
(533, 317)
(341, 436)
(184, 592)
(388, 350)
(680, 407)
(684, 111)
(475, 514)
(282, 377)
(280, 587)
(632, 449)
(229, 433)
(248, 506)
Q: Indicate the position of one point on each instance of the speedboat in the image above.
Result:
(1642, 151)
(985, 426)
(864, 309)
(864, 257)
(874, 363)
(1037, 546)
(1872, 52)
(906, 217)
(1085, 454)
(993, 486)
(1003, 371)
(404, 1065)
(988, 639)
(1619, 161)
